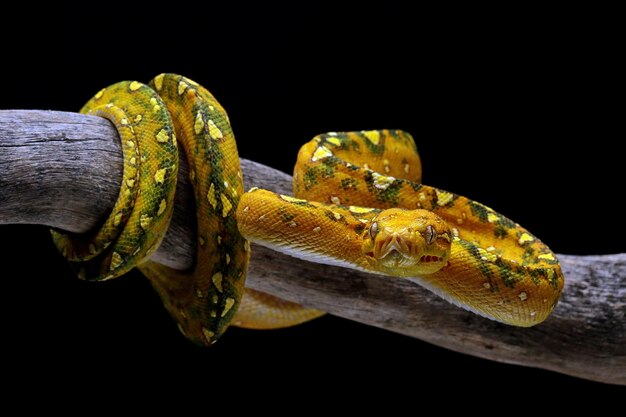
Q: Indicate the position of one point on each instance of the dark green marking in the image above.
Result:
(348, 184)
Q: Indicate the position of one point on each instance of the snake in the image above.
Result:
(358, 202)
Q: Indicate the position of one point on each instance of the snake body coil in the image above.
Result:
(358, 203)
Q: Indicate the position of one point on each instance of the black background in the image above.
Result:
(517, 109)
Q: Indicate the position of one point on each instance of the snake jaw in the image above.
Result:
(407, 243)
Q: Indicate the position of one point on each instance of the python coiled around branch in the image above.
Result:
(358, 203)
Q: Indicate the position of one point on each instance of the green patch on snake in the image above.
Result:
(374, 149)
(483, 266)
(285, 216)
(414, 185)
(478, 210)
(500, 231)
(389, 193)
(348, 184)
(508, 276)
(310, 178)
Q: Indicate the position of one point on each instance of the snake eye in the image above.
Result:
(430, 235)
(373, 230)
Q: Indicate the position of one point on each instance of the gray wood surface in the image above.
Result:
(63, 170)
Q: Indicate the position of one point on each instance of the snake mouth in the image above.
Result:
(431, 259)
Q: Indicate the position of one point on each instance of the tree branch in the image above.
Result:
(63, 170)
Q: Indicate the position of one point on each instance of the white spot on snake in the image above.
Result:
(317, 229)
(291, 199)
(373, 136)
(547, 256)
(382, 182)
(522, 296)
(116, 260)
(332, 133)
(198, 125)
(253, 189)
(320, 153)
(292, 224)
(117, 219)
(144, 221)
(533, 313)
(219, 240)
(360, 210)
(215, 298)
(134, 86)
(130, 182)
(492, 217)
(158, 81)
(213, 313)
(201, 241)
(217, 281)
(124, 121)
(407, 167)
(246, 209)
(491, 249)
(208, 335)
(487, 285)
(162, 207)
(133, 161)
(226, 205)
(262, 217)
(525, 238)
(545, 300)
(227, 259)
(444, 197)
(182, 86)
(199, 293)
(334, 141)
(337, 216)
(246, 246)
(130, 144)
(365, 166)
(92, 248)
(99, 93)
(211, 108)
(159, 176)
(162, 136)
(211, 196)
(386, 165)
(335, 200)
(230, 302)
(214, 131)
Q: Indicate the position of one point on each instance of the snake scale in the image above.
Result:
(358, 202)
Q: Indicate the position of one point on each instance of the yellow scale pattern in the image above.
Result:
(495, 267)
(343, 182)
(151, 120)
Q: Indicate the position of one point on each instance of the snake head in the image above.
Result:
(407, 242)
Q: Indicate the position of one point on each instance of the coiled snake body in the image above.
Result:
(358, 203)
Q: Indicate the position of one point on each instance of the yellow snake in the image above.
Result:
(358, 203)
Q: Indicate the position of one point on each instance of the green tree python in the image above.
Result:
(358, 202)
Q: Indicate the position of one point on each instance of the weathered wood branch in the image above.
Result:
(63, 170)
